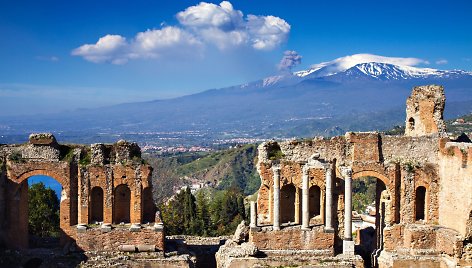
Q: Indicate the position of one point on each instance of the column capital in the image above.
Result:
(305, 169)
(276, 168)
(346, 172)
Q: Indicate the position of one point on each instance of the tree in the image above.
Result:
(43, 206)
(203, 217)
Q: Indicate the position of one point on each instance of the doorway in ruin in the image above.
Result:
(370, 199)
(314, 196)
(287, 203)
(149, 208)
(96, 204)
(122, 204)
(43, 195)
(420, 200)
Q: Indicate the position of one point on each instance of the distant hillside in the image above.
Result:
(231, 168)
(347, 94)
(235, 167)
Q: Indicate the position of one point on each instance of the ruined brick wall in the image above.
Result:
(424, 111)
(79, 169)
(455, 195)
(410, 150)
(419, 239)
(95, 239)
(293, 238)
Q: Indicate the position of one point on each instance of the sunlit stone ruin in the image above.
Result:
(106, 200)
(303, 215)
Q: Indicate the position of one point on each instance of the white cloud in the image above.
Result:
(108, 48)
(267, 32)
(202, 25)
(206, 15)
(155, 43)
(441, 62)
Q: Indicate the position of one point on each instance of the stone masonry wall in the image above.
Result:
(293, 238)
(424, 111)
(455, 195)
(78, 169)
(94, 239)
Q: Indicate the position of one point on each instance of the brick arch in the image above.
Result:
(372, 173)
(50, 173)
(19, 202)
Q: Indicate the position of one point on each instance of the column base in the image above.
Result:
(255, 229)
(135, 227)
(105, 227)
(305, 228)
(329, 230)
(348, 247)
(81, 228)
(276, 228)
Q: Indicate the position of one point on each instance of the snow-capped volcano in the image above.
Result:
(347, 62)
(385, 71)
(379, 67)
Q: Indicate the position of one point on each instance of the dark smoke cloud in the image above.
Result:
(290, 59)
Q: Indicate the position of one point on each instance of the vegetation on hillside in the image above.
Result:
(208, 213)
(222, 170)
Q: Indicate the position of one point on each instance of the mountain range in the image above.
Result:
(350, 93)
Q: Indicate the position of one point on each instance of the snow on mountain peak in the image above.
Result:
(390, 71)
(347, 62)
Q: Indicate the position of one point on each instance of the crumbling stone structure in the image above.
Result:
(106, 199)
(423, 195)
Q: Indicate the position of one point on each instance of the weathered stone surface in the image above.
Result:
(232, 250)
(98, 154)
(93, 239)
(423, 180)
(292, 238)
(424, 111)
(95, 189)
(42, 139)
(125, 151)
(242, 233)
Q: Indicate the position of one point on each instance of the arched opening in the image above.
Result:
(420, 199)
(370, 199)
(43, 211)
(287, 203)
(96, 205)
(411, 123)
(314, 201)
(121, 204)
(149, 208)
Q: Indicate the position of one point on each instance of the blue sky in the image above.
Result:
(50, 60)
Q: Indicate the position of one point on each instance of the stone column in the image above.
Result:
(297, 205)
(253, 223)
(329, 201)
(348, 244)
(305, 203)
(276, 213)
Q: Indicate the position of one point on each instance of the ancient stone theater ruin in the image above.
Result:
(106, 200)
(423, 196)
